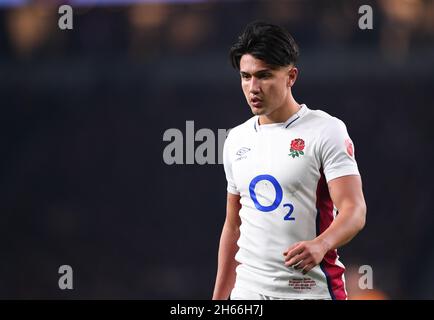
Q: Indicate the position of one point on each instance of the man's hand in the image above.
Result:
(305, 255)
(346, 193)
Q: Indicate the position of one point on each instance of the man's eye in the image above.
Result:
(245, 76)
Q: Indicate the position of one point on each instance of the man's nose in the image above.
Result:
(255, 85)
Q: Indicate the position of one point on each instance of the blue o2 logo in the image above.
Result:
(277, 200)
(277, 187)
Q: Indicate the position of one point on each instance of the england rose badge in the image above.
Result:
(297, 147)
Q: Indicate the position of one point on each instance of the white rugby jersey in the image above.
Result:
(281, 171)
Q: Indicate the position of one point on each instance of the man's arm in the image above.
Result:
(225, 279)
(347, 195)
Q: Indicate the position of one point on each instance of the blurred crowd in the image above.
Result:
(149, 29)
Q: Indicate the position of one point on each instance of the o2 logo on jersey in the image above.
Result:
(277, 200)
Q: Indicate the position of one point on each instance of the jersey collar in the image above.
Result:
(287, 123)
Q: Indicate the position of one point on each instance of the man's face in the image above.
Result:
(266, 89)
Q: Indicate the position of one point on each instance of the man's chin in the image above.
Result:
(258, 111)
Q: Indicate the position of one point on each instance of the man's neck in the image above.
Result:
(281, 114)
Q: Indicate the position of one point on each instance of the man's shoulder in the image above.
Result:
(246, 127)
(323, 119)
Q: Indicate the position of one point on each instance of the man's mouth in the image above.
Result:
(256, 102)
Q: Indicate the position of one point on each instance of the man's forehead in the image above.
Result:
(250, 64)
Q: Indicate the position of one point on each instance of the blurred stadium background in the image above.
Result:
(83, 114)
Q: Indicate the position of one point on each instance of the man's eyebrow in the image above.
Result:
(257, 72)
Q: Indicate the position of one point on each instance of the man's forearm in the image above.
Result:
(225, 279)
(349, 221)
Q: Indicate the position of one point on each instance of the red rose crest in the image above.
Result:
(297, 147)
(350, 147)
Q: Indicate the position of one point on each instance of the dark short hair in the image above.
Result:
(270, 43)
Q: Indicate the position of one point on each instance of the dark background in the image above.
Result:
(83, 113)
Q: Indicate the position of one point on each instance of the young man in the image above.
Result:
(294, 189)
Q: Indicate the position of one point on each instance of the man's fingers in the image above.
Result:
(308, 267)
(303, 264)
(290, 248)
(293, 252)
(300, 257)
(293, 261)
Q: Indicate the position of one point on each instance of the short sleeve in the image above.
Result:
(337, 151)
(227, 164)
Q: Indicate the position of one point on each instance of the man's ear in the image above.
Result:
(292, 76)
